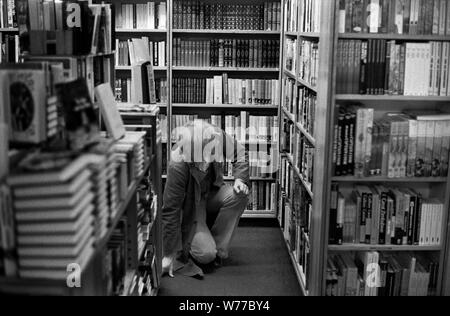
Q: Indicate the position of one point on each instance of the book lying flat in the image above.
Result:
(53, 202)
(69, 240)
(57, 273)
(48, 168)
(58, 227)
(43, 190)
(63, 214)
(54, 251)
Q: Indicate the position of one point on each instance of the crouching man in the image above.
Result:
(200, 212)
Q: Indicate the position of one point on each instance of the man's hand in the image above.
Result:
(240, 187)
(167, 265)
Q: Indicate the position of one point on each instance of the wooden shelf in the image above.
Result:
(307, 85)
(388, 180)
(402, 37)
(291, 34)
(231, 32)
(288, 114)
(251, 179)
(298, 270)
(128, 68)
(224, 69)
(9, 30)
(381, 98)
(309, 35)
(227, 106)
(269, 214)
(290, 74)
(363, 247)
(140, 31)
(305, 133)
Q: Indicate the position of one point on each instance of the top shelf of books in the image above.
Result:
(398, 37)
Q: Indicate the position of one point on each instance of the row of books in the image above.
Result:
(9, 48)
(194, 14)
(226, 53)
(395, 146)
(291, 15)
(125, 52)
(384, 67)
(376, 274)
(55, 27)
(309, 16)
(150, 15)
(295, 216)
(291, 55)
(380, 215)
(223, 90)
(301, 105)
(262, 196)
(124, 88)
(304, 154)
(243, 127)
(413, 17)
(8, 17)
(309, 62)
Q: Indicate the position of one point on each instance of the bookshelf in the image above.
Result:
(206, 31)
(132, 214)
(427, 187)
(304, 110)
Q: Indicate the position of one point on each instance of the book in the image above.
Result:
(110, 113)
(81, 122)
(4, 149)
(24, 101)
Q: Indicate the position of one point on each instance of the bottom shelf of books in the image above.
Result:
(81, 222)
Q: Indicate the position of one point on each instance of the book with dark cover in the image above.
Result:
(80, 118)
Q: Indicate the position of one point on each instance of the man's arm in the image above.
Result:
(174, 194)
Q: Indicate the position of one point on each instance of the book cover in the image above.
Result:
(80, 119)
(24, 99)
(110, 113)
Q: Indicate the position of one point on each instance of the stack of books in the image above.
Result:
(380, 215)
(413, 17)
(150, 15)
(395, 275)
(54, 221)
(378, 67)
(99, 187)
(194, 14)
(112, 176)
(8, 263)
(133, 146)
(398, 145)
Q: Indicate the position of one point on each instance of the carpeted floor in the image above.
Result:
(259, 266)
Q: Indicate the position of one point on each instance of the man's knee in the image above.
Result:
(203, 248)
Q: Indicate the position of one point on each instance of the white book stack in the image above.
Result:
(100, 188)
(54, 213)
(134, 141)
(113, 164)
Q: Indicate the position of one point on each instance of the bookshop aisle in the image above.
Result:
(259, 265)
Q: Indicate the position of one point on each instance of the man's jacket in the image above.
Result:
(182, 195)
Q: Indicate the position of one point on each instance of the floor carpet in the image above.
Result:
(259, 265)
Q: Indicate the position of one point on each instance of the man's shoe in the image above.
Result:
(218, 263)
